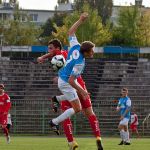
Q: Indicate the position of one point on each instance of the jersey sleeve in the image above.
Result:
(128, 102)
(73, 41)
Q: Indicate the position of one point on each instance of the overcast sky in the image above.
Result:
(50, 4)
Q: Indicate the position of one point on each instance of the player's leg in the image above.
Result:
(137, 133)
(70, 95)
(88, 112)
(124, 133)
(76, 107)
(67, 126)
(94, 123)
(4, 127)
(8, 126)
(121, 130)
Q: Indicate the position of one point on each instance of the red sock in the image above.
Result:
(67, 125)
(5, 130)
(94, 125)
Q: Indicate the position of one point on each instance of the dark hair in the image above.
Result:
(125, 90)
(86, 46)
(56, 43)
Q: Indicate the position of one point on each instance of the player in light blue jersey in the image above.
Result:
(67, 81)
(124, 107)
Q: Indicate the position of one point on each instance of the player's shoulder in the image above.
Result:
(6, 95)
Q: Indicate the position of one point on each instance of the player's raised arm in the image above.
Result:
(75, 26)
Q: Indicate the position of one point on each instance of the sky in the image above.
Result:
(50, 4)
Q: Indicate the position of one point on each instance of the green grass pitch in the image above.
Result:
(49, 143)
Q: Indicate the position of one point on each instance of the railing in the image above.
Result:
(146, 119)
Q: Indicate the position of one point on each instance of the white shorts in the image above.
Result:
(67, 90)
(124, 121)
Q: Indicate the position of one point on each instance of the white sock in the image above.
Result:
(66, 114)
(126, 134)
(122, 135)
(60, 98)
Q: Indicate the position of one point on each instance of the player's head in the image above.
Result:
(54, 44)
(87, 49)
(1, 88)
(124, 92)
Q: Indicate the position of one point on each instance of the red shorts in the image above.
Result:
(133, 128)
(84, 103)
(3, 119)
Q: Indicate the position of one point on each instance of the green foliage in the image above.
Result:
(92, 29)
(63, 1)
(125, 31)
(133, 28)
(104, 7)
(48, 28)
(143, 33)
(18, 33)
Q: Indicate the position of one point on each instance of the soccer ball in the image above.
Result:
(58, 62)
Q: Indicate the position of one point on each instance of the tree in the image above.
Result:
(104, 7)
(92, 30)
(48, 27)
(143, 32)
(17, 33)
(62, 1)
(127, 25)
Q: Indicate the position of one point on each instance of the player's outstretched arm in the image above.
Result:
(75, 26)
(43, 57)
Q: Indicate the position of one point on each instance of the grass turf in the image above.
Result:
(48, 143)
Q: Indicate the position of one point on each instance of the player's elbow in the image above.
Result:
(71, 32)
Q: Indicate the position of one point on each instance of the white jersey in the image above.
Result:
(9, 119)
(134, 119)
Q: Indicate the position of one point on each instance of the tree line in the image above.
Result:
(132, 27)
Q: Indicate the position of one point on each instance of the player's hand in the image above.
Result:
(40, 60)
(84, 16)
(118, 109)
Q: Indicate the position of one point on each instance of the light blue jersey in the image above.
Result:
(124, 103)
(75, 61)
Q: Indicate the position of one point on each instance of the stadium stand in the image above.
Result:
(30, 87)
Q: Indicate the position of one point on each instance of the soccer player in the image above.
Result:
(4, 109)
(55, 49)
(68, 85)
(124, 107)
(134, 123)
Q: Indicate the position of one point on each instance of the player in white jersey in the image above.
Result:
(124, 107)
(67, 82)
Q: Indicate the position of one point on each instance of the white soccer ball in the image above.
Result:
(58, 62)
